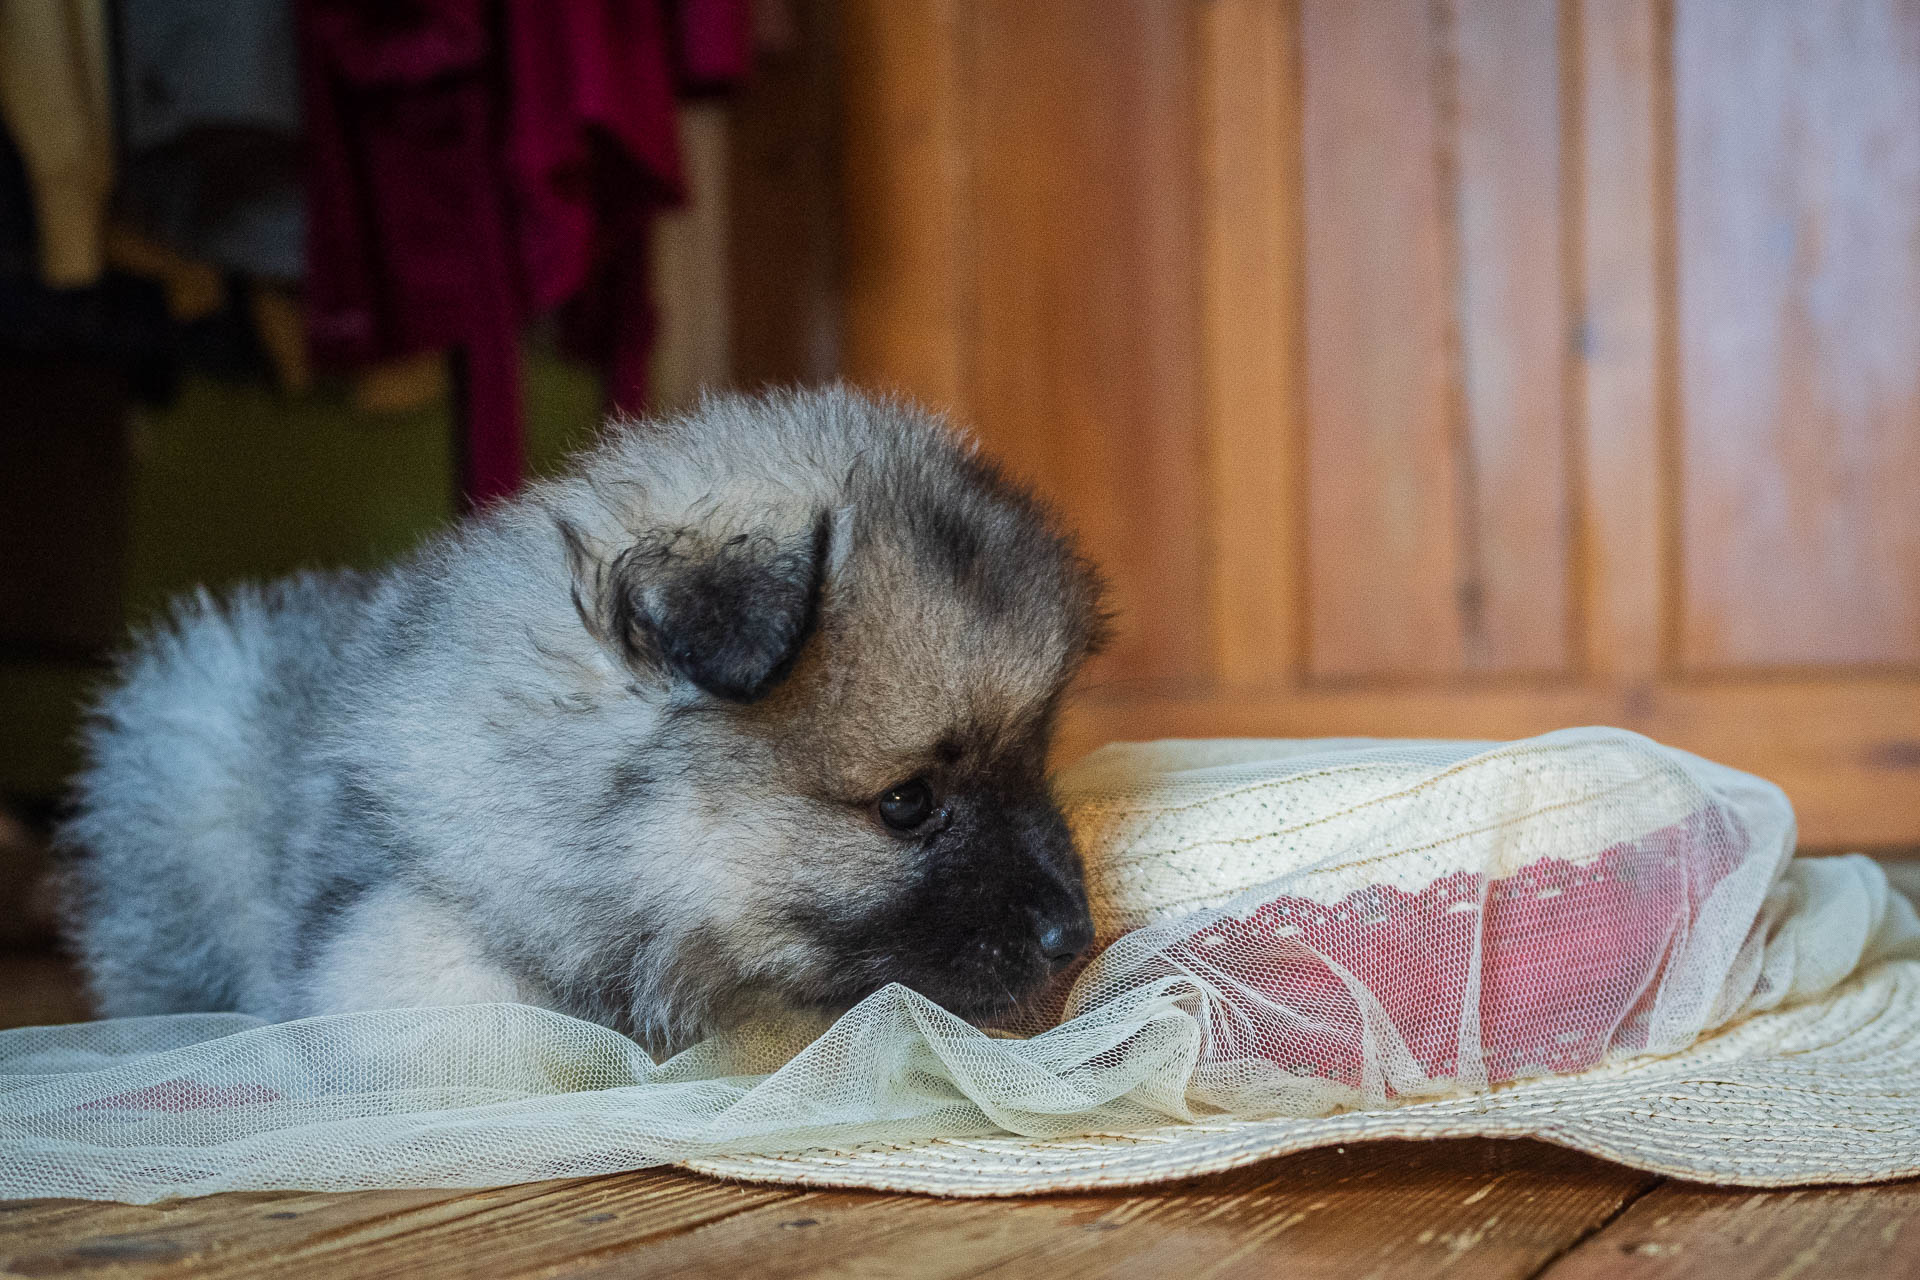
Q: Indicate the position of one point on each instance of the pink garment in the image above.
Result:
(471, 164)
(594, 147)
(1568, 953)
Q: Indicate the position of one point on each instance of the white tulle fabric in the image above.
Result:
(1288, 929)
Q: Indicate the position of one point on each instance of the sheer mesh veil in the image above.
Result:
(1300, 942)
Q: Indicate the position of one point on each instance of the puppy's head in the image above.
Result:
(858, 635)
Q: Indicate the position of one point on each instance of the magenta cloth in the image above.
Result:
(1568, 953)
(473, 163)
(716, 41)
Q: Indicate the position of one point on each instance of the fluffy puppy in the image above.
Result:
(749, 710)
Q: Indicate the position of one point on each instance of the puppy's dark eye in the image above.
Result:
(907, 806)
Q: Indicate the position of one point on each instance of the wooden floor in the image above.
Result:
(1478, 1209)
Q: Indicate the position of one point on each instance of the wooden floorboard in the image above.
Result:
(1678, 1230)
(1470, 1209)
(196, 1237)
(1459, 1208)
(535, 1234)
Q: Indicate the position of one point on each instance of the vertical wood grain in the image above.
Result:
(1381, 550)
(1435, 307)
(1625, 500)
(1250, 317)
(1798, 187)
(784, 171)
(1085, 259)
(1377, 347)
(1510, 454)
(905, 163)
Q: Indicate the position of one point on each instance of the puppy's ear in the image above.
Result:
(730, 615)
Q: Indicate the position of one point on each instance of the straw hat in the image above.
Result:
(1825, 1092)
(1818, 1090)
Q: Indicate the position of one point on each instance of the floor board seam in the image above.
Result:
(225, 1256)
(645, 1240)
(1548, 1264)
(316, 1242)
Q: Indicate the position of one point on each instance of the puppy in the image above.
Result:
(748, 711)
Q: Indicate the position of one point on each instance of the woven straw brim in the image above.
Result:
(1826, 1092)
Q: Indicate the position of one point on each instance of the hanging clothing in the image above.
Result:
(129, 323)
(407, 244)
(714, 45)
(117, 322)
(53, 96)
(472, 164)
(595, 146)
(209, 96)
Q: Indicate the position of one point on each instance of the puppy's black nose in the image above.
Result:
(1062, 941)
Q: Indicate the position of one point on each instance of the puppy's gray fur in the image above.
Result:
(613, 748)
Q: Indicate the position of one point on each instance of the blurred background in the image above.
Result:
(1461, 368)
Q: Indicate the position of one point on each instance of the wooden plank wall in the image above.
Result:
(1798, 226)
(1457, 367)
(1436, 459)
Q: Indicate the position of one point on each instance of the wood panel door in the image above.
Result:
(1435, 367)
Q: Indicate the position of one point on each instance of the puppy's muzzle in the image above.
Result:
(1063, 939)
